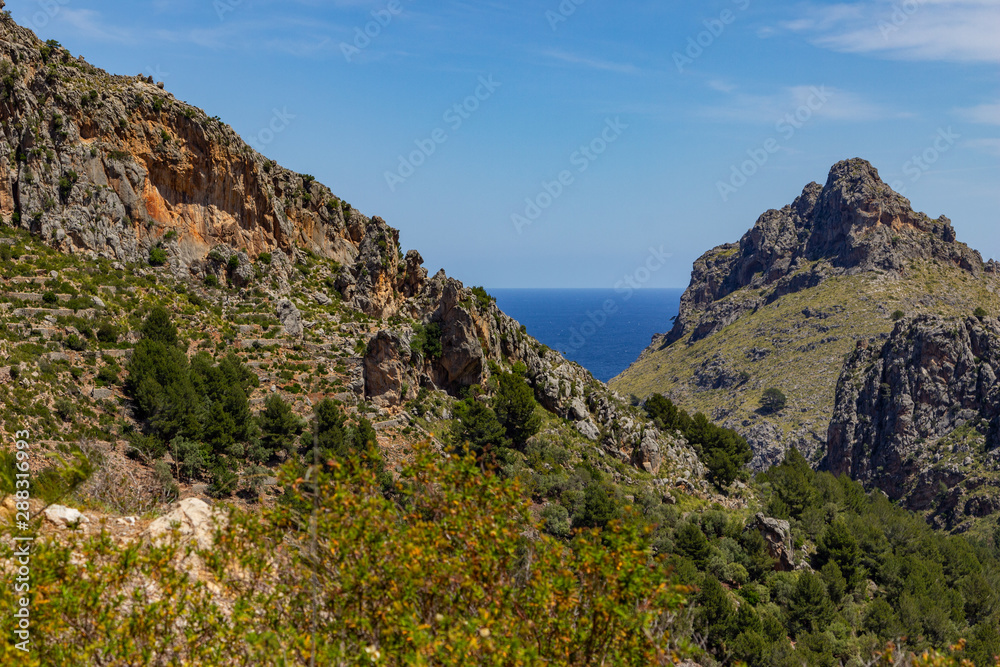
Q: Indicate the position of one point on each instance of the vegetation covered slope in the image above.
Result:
(783, 308)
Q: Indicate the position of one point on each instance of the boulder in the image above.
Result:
(588, 430)
(647, 454)
(64, 516)
(290, 318)
(194, 520)
(777, 535)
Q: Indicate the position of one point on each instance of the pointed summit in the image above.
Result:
(854, 224)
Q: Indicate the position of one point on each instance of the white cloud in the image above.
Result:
(823, 102)
(988, 114)
(945, 30)
(991, 146)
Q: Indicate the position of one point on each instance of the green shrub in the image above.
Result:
(107, 333)
(65, 409)
(50, 298)
(211, 280)
(723, 451)
(980, 312)
(146, 447)
(898, 315)
(446, 579)
(555, 520)
(224, 481)
(157, 256)
(599, 507)
(75, 343)
(773, 400)
(483, 299)
(279, 428)
(108, 375)
(426, 341)
(477, 426)
(189, 457)
(169, 490)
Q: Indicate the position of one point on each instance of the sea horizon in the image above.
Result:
(602, 329)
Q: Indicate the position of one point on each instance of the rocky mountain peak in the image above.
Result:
(855, 223)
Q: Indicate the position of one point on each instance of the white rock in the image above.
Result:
(64, 516)
(193, 518)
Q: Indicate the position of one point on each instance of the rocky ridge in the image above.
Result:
(854, 224)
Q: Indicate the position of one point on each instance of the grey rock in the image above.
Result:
(588, 430)
(777, 536)
(578, 410)
(290, 318)
(898, 398)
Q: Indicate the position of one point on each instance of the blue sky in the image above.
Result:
(590, 138)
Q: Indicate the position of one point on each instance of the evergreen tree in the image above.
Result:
(838, 545)
(598, 507)
(477, 425)
(279, 427)
(158, 327)
(809, 609)
(514, 406)
(691, 542)
(328, 431)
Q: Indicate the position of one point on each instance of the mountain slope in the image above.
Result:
(114, 169)
(783, 307)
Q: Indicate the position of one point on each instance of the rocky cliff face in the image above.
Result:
(918, 415)
(115, 167)
(784, 306)
(854, 224)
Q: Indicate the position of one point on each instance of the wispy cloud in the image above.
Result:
(90, 24)
(988, 114)
(592, 63)
(991, 146)
(822, 101)
(943, 30)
